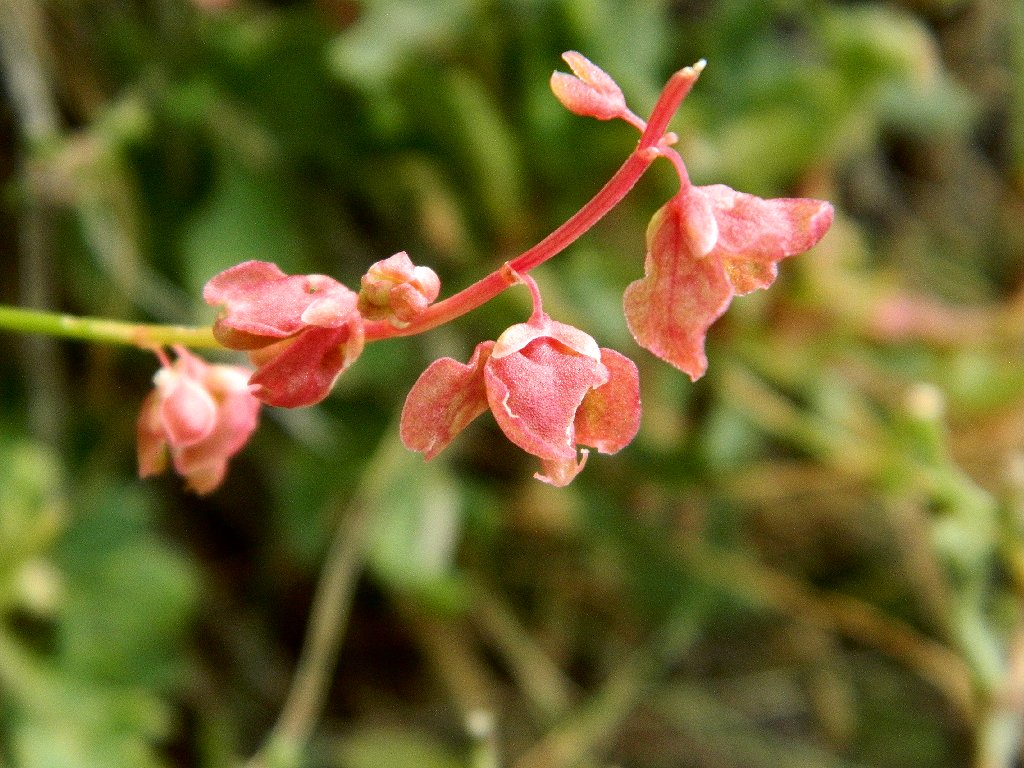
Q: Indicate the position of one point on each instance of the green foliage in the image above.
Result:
(810, 557)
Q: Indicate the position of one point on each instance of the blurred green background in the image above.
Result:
(811, 557)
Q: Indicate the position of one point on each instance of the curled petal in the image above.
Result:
(754, 229)
(699, 221)
(609, 416)
(187, 411)
(305, 369)
(444, 400)
(518, 336)
(203, 470)
(561, 472)
(151, 442)
(670, 310)
(260, 303)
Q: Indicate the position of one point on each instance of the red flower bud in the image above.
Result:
(590, 91)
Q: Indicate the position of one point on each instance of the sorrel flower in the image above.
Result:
(706, 245)
(551, 389)
(301, 331)
(200, 415)
(397, 290)
(549, 386)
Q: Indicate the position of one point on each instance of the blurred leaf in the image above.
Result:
(31, 508)
(130, 597)
(394, 748)
(390, 32)
(246, 216)
(416, 528)
(84, 727)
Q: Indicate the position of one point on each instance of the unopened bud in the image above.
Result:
(589, 91)
(397, 290)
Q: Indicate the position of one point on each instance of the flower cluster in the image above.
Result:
(551, 389)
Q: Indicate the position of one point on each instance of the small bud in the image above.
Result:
(590, 91)
(397, 290)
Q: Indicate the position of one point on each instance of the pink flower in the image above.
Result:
(301, 331)
(397, 290)
(200, 415)
(550, 387)
(706, 245)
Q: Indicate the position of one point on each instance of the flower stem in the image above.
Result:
(482, 291)
(608, 197)
(101, 330)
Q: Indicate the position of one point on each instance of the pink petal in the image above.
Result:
(609, 417)
(534, 395)
(752, 228)
(681, 294)
(304, 372)
(238, 409)
(747, 276)
(203, 470)
(444, 400)
(259, 300)
(699, 218)
(514, 338)
(151, 443)
(187, 411)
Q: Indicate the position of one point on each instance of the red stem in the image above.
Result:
(625, 178)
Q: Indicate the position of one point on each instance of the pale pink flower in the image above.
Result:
(198, 416)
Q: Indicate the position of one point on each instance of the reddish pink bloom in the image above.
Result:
(397, 290)
(550, 387)
(706, 245)
(301, 331)
(198, 414)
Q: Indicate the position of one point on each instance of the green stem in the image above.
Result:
(101, 330)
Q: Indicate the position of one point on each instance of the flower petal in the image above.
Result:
(152, 445)
(304, 372)
(752, 228)
(534, 395)
(561, 472)
(444, 400)
(681, 294)
(609, 416)
(515, 337)
(187, 411)
(259, 300)
(590, 91)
